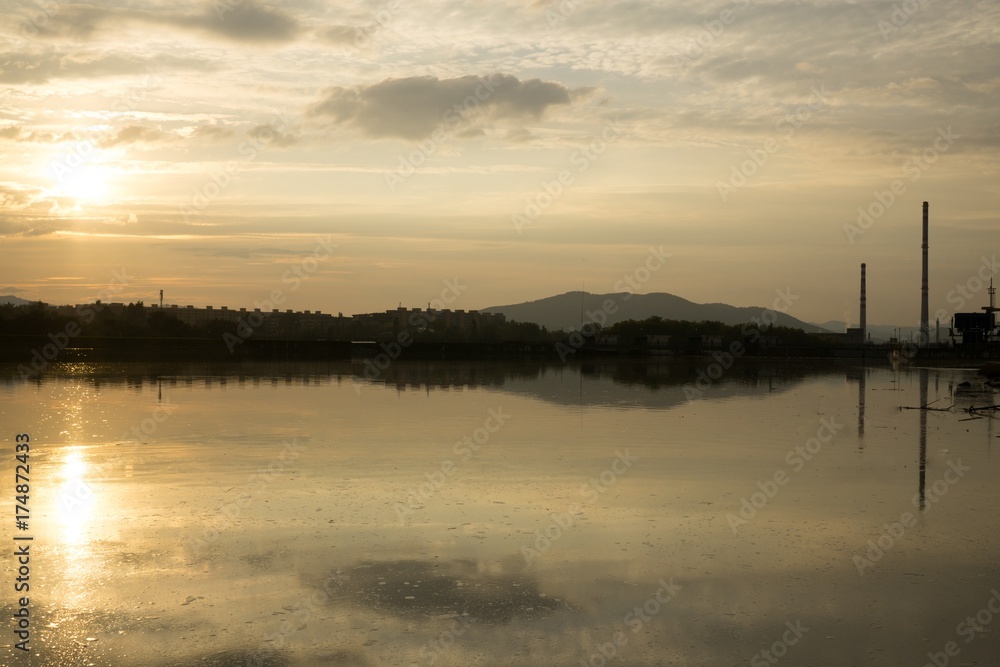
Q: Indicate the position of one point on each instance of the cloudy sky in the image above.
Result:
(520, 148)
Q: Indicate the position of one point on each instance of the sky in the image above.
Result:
(353, 156)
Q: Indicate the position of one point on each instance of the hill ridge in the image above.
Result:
(570, 309)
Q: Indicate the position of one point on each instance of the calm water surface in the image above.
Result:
(488, 514)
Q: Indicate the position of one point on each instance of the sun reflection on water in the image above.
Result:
(76, 498)
(76, 502)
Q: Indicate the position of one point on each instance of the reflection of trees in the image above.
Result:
(658, 384)
(431, 374)
(744, 372)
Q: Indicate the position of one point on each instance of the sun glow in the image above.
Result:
(76, 498)
(87, 184)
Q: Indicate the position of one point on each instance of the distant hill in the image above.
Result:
(14, 300)
(564, 311)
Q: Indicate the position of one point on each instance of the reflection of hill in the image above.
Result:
(656, 384)
(661, 384)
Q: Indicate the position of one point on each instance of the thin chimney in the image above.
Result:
(925, 334)
(864, 306)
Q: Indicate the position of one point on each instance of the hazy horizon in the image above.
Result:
(168, 304)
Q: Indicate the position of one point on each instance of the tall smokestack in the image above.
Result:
(864, 306)
(925, 333)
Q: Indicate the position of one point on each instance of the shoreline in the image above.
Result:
(39, 351)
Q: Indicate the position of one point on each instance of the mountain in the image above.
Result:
(566, 311)
(13, 300)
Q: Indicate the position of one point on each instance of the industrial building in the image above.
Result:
(978, 328)
(971, 332)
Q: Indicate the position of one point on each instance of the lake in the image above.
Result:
(661, 513)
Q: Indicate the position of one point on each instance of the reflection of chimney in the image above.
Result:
(922, 470)
(925, 334)
(861, 409)
(864, 306)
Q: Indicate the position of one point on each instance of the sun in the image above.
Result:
(88, 183)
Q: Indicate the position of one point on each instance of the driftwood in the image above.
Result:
(985, 411)
(928, 407)
(976, 412)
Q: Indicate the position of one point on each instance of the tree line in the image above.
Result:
(134, 320)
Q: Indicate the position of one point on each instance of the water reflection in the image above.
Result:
(75, 510)
(452, 588)
(922, 483)
(861, 407)
(120, 568)
(652, 384)
(75, 498)
(859, 375)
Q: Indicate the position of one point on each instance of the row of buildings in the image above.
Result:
(306, 324)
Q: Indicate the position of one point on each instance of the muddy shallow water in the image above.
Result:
(490, 514)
